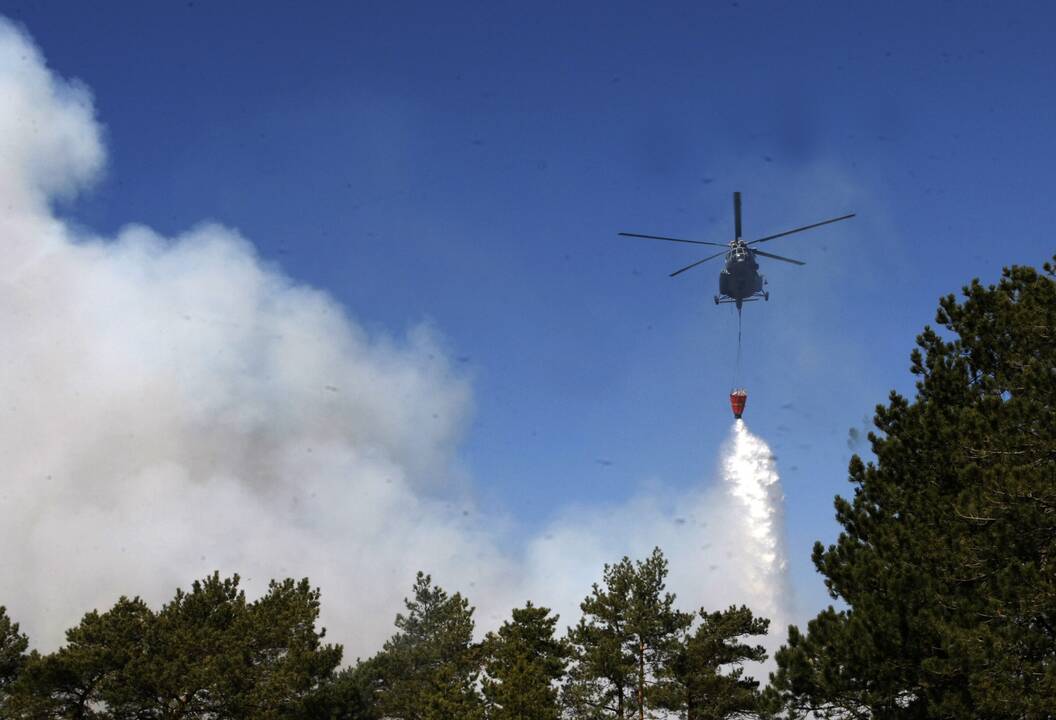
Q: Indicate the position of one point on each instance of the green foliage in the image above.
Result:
(429, 669)
(210, 654)
(13, 646)
(207, 654)
(946, 561)
(628, 634)
(90, 671)
(350, 695)
(522, 662)
(709, 681)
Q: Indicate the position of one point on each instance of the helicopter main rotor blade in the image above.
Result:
(778, 257)
(660, 237)
(800, 229)
(698, 262)
(737, 215)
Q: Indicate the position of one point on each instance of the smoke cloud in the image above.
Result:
(174, 405)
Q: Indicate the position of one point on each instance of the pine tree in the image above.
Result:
(13, 657)
(947, 560)
(349, 695)
(429, 669)
(89, 671)
(523, 661)
(707, 672)
(208, 654)
(628, 634)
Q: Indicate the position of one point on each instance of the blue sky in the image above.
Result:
(469, 165)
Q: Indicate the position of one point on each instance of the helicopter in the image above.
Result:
(740, 281)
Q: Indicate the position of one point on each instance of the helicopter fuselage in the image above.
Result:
(740, 279)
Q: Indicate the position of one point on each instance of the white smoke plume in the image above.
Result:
(171, 406)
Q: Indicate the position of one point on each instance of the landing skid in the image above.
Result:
(727, 302)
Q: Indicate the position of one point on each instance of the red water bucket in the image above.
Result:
(737, 400)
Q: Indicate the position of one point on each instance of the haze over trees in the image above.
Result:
(636, 657)
(208, 653)
(626, 658)
(211, 654)
(944, 573)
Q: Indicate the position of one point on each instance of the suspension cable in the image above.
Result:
(737, 367)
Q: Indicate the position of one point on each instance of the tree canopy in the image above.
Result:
(629, 633)
(211, 653)
(206, 654)
(945, 566)
(429, 669)
(709, 681)
(523, 661)
(13, 646)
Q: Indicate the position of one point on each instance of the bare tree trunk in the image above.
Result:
(641, 680)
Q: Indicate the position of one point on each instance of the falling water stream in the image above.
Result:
(749, 471)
